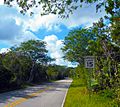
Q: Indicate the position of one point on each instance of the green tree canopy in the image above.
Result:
(35, 49)
(64, 7)
(76, 44)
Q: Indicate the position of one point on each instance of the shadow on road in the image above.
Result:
(13, 95)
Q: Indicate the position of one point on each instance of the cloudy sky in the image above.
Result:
(16, 28)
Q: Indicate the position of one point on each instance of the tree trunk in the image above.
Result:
(31, 73)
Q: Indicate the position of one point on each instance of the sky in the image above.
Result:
(16, 28)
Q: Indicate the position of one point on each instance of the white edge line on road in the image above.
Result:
(65, 96)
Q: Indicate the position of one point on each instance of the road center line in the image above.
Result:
(25, 98)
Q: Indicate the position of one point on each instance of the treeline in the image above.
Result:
(102, 41)
(28, 63)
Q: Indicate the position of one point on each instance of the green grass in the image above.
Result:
(78, 96)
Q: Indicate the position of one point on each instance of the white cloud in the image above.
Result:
(49, 22)
(4, 50)
(23, 37)
(12, 28)
(15, 28)
(13, 33)
(1, 2)
(54, 46)
(83, 16)
(9, 29)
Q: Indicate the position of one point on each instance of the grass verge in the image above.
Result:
(78, 96)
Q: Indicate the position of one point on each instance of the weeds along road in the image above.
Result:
(46, 95)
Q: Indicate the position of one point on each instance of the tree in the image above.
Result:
(96, 41)
(63, 7)
(76, 45)
(36, 51)
(115, 28)
(27, 62)
(57, 72)
(105, 51)
(5, 75)
(52, 73)
(17, 65)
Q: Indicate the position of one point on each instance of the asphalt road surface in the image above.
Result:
(46, 95)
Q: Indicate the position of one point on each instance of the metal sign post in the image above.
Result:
(90, 64)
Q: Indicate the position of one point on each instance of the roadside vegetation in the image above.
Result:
(102, 40)
(78, 96)
(28, 64)
(103, 81)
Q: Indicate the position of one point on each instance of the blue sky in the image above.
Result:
(16, 28)
(42, 32)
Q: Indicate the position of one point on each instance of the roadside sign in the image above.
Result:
(89, 62)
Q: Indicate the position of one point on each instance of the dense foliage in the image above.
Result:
(63, 7)
(101, 42)
(28, 63)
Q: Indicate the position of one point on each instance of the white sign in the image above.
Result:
(89, 62)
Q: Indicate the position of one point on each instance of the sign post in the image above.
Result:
(90, 64)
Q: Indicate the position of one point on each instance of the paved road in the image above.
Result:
(46, 95)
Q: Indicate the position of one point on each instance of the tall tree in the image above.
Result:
(105, 51)
(115, 28)
(17, 65)
(96, 41)
(76, 45)
(36, 51)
